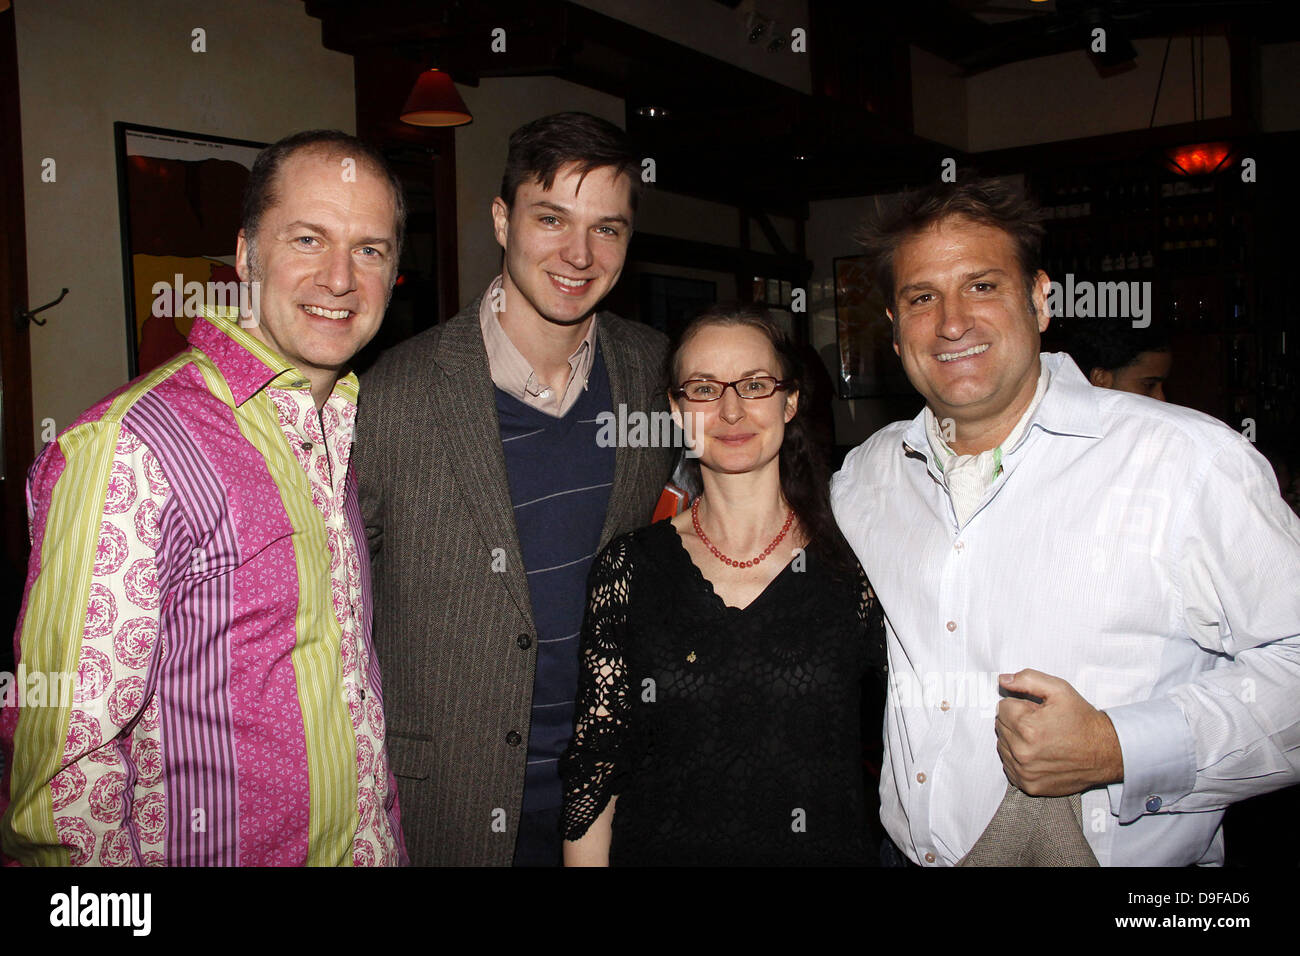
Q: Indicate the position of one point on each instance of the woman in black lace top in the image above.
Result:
(723, 652)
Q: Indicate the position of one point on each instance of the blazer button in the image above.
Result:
(524, 642)
(513, 738)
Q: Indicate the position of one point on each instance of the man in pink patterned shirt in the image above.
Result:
(199, 581)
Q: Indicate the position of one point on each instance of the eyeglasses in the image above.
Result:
(707, 390)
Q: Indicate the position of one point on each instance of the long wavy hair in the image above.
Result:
(805, 473)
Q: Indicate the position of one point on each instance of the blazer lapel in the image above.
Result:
(623, 392)
(468, 426)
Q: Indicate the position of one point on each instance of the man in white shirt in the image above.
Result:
(1122, 573)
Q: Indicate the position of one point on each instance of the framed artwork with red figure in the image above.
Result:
(179, 197)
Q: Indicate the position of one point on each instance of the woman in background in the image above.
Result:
(723, 651)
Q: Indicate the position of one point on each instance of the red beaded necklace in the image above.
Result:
(695, 519)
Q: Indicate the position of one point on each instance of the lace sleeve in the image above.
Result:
(873, 621)
(590, 768)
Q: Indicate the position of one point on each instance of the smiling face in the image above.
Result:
(733, 435)
(325, 258)
(564, 246)
(963, 329)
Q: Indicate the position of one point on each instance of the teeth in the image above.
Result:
(571, 283)
(327, 313)
(953, 356)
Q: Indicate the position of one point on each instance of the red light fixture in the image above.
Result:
(1198, 159)
(434, 101)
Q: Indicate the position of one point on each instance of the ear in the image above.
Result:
(500, 220)
(1101, 378)
(1042, 286)
(893, 326)
(241, 257)
(791, 405)
(675, 410)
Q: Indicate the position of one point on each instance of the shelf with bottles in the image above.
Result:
(1102, 255)
(1180, 245)
(1183, 226)
(1093, 195)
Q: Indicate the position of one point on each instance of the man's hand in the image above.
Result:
(1062, 746)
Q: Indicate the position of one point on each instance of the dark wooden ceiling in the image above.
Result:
(734, 136)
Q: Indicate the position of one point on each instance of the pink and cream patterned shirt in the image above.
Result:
(198, 606)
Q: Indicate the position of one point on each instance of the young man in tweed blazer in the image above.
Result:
(487, 494)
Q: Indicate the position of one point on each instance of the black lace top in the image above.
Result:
(731, 736)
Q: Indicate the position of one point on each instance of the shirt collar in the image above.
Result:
(1068, 407)
(510, 371)
(247, 364)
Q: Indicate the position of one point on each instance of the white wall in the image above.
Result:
(84, 64)
(1279, 80)
(938, 99)
(1061, 97)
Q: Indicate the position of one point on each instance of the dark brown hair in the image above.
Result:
(986, 201)
(805, 473)
(538, 150)
(260, 195)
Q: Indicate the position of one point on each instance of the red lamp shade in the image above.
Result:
(1199, 158)
(435, 102)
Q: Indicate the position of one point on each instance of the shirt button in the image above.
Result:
(944, 706)
(929, 858)
(920, 777)
(959, 546)
(951, 625)
(1154, 804)
(363, 693)
(524, 642)
(307, 446)
(513, 738)
(301, 383)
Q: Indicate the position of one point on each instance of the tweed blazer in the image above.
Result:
(453, 621)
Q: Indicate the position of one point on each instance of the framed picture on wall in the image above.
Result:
(868, 367)
(669, 302)
(179, 198)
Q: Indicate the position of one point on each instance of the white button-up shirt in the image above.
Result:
(1138, 550)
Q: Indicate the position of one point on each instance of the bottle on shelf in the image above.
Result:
(1119, 261)
(1167, 243)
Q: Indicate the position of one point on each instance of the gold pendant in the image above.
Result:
(690, 658)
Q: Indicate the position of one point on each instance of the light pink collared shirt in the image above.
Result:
(513, 374)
